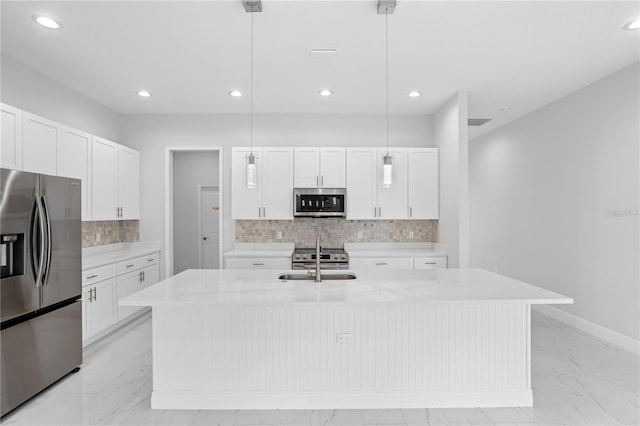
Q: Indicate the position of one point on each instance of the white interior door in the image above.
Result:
(209, 227)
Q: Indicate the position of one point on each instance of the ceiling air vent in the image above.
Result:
(477, 121)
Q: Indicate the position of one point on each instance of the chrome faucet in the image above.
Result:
(318, 278)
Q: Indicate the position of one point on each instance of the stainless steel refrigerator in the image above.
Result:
(40, 288)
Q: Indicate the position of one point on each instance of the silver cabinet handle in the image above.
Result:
(381, 263)
(317, 180)
(321, 180)
(129, 266)
(380, 212)
(95, 293)
(143, 276)
(150, 260)
(375, 212)
(264, 212)
(410, 211)
(90, 293)
(92, 276)
(430, 263)
(258, 264)
(140, 276)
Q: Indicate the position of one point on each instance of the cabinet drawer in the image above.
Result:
(381, 262)
(95, 275)
(137, 263)
(430, 262)
(258, 263)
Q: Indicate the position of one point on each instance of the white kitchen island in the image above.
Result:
(239, 339)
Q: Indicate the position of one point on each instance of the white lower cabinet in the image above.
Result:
(430, 262)
(434, 262)
(381, 263)
(103, 287)
(258, 263)
(98, 307)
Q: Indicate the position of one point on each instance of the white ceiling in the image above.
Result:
(190, 54)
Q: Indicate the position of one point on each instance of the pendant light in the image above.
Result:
(252, 177)
(387, 7)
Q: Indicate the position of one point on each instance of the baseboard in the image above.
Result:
(596, 330)
(312, 400)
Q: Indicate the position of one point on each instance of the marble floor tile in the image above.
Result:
(577, 380)
(341, 417)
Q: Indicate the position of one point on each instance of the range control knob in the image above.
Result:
(343, 256)
(297, 256)
(304, 256)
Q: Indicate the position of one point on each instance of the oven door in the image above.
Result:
(319, 202)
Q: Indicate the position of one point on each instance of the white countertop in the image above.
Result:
(93, 257)
(354, 250)
(211, 287)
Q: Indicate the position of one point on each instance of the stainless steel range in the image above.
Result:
(330, 258)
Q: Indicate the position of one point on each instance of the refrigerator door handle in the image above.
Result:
(39, 214)
(47, 221)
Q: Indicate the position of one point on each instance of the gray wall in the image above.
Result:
(554, 200)
(190, 169)
(24, 88)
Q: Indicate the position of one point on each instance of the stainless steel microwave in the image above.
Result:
(319, 202)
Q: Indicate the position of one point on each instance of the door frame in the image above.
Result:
(168, 199)
(200, 188)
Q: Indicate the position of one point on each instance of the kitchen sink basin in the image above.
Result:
(325, 276)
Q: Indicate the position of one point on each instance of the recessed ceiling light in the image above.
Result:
(633, 25)
(47, 22)
(144, 93)
(235, 93)
(325, 92)
(414, 94)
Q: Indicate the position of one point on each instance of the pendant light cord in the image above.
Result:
(251, 87)
(386, 52)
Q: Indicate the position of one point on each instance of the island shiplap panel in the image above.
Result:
(293, 348)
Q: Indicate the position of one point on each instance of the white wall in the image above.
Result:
(153, 134)
(190, 169)
(554, 200)
(27, 89)
(451, 136)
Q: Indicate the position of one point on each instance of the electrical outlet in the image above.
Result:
(344, 338)
(359, 235)
(98, 237)
(411, 235)
(279, 235)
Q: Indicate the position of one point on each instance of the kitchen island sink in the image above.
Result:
(325, 276)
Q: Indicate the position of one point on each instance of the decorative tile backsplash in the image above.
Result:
(335, 232)
(111, 232)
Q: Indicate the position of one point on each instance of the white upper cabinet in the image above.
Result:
(74, 161)
(362, 192)
(128, 183)
(40, 140)
(320, 168)
(104, 179)
(392, 201)
(272, 197)
(422, 183)
(11, 138)
(277, 191)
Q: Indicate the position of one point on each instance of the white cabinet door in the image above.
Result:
(11, 138)
(392, 202)
(101, 310)
(150, 276)
(246, 203)
(40, 139)
(282, 263)
(362, 195)
(74, 161)
(422, 182)
(333, 170)
(277, 192)
(306, 167)
(128, 183)
(128, 284)
(104, 179)
(381, 263)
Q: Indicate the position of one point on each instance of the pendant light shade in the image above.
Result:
(387, 171)
(251, 171)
